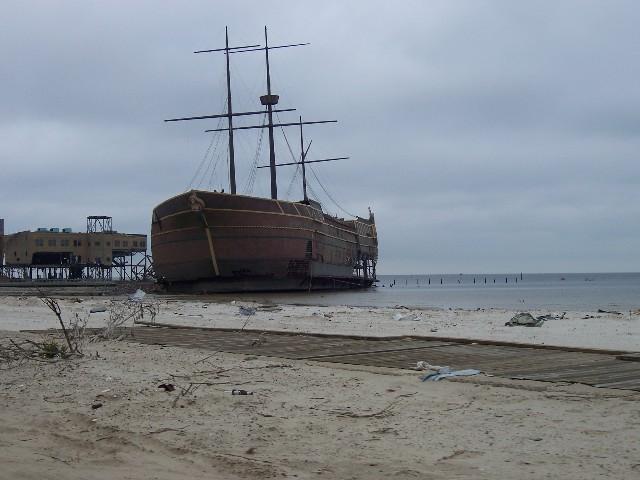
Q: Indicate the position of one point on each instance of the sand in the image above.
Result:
(577, 329)
(305, 419)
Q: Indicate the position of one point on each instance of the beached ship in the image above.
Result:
(208, 241)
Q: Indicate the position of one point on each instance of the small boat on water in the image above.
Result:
(207, 241)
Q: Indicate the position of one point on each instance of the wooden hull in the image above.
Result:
(215, 242)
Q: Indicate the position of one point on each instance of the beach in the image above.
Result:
(611, 330)
(306, 419)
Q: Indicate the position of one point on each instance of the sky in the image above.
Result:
(485, 135)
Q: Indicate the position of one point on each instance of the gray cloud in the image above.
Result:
(486, 135)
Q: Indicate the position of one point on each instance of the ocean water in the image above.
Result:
(584, 292)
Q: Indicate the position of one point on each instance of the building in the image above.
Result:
(62, 253)
(1, 241)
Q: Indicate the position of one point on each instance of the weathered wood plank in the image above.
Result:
(603, 370)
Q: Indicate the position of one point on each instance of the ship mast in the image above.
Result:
(232, 163)
(270, 100)
(303, 154)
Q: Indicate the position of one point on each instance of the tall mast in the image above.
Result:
(232, 164)
(270, 100)
(304, 172)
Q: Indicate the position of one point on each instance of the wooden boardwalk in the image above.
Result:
(519, 362)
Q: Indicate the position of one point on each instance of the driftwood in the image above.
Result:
(123, 313)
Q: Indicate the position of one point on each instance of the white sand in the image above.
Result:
(306, 420)
(603, 330)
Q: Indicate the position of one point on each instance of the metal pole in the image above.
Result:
(232, 164)
(272, 153)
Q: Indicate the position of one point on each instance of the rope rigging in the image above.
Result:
(215, 138)
(293, 180)
(328, 194)
(293, 156)
(251, 180)
(213, 170)
(212, 165)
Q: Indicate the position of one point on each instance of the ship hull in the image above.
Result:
(208, 242)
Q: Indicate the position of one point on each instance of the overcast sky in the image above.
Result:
(487, 136)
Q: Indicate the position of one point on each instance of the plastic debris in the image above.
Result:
(551, 316)
(524, 319)
(238, 391)
(96, 405)
(412, 317)
(168, 387)
(98, 310)
(447, 373)
(138, 296)
(422, 365)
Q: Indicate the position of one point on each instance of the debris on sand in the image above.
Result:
(524, 319)
(422, 365)
(447, 373)
(138, 296)
(247, 311)
(239, 391)
(412, 317)
(269, 308)
(551, 316)
(600, 310)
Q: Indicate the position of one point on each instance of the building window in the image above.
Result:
(117, 243)
(143, 245)
(108, 244)
(125, 243)
(52, 242)
(97, 244)
(39, 242)
(135, 243)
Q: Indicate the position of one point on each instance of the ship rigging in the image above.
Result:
(269, 101)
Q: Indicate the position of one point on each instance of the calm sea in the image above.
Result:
(585, 292)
